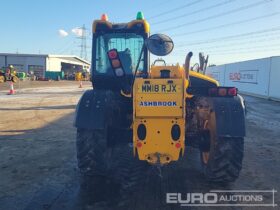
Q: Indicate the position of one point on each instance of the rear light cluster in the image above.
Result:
(222, 91)
(116, 63)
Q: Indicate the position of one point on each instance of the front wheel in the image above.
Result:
(223, 162)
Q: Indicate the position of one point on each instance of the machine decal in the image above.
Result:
(158, 103)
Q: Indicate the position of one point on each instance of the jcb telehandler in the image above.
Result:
(159, 110)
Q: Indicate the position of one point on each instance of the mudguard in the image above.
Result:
(230, 116)
(91, 110)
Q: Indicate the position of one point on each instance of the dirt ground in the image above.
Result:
(38, 158)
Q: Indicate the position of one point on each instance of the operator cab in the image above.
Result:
(128, 40)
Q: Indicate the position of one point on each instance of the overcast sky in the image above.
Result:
(227, 30)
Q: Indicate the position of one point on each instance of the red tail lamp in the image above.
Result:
(112, 54)
(232, 91)
(139, 144)
(116, 63)
(178, 145)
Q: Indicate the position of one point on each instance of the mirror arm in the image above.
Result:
(137, 66)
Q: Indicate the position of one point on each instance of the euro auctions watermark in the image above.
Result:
(224, 198)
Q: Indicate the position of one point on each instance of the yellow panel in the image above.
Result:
(144, 22)
(158, 146)
(109, 24)
(204, 77)
(129, 25)
(175, 71)
(161, 99)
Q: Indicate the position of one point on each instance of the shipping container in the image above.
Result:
(54, 75)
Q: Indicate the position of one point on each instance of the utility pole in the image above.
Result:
(83, 46)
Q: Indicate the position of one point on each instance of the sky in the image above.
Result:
(226, 30)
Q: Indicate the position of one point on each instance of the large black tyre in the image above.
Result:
(224, 161)
(106, 173)
(92, 152)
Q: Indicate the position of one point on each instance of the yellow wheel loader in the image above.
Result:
(157, 110)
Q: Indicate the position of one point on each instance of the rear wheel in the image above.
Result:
(106, 172)
(92, 152)
(223, 162)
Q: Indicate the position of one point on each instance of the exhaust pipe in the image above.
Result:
(187, 64)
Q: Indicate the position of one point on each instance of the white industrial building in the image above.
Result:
(259, 77)
(40, 63)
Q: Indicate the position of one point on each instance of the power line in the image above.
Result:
(227, 25)
(246, 52)
(175, 9)
(231, 37)
(83, 45)
(194, 12)
(242, 49)
(268, 38)
(66, 47)
(249, 6)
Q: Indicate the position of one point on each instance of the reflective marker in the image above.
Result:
(139, 144)
(178, 145)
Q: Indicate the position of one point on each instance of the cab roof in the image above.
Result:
(139, 26)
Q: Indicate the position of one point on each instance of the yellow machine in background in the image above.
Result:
(82, 76)
(78, 76)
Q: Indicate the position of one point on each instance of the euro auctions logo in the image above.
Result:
(224, 198)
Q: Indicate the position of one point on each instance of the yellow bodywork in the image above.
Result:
(159, 104)
(109, 25)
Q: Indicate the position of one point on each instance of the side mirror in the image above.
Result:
(159, 44)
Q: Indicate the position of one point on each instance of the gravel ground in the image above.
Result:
(38, 159)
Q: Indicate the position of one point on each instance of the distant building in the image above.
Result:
(38, 64)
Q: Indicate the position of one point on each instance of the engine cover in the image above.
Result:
(159, 119)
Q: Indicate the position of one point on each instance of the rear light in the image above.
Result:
(213, 91)
(112, 54)
(232, 91)
(222, 91)
(116, 63)
(119, 72)
(178, 145)
(139, 144)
